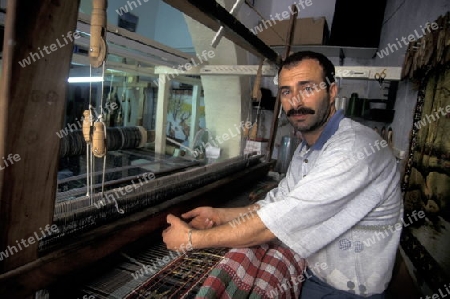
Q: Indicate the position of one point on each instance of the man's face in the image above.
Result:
(306, 102)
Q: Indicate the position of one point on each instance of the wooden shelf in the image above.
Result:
(376, 115)
(333, 51)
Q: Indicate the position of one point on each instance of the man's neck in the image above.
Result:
(312, 137)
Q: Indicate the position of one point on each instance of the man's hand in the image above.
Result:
(176, 235)
(203, 217)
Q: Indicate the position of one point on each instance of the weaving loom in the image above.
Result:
(162, 181)
(95, 224)
(185, 273)
(181, 277)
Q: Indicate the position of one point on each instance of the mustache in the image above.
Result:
(300, 111)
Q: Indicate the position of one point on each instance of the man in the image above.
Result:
(339, 205)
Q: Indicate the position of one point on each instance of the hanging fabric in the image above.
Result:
(426, 183)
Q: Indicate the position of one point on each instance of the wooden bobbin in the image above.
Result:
(99, 140)
(87, 126)
(254, 131)
(245, 131)
(97, 48)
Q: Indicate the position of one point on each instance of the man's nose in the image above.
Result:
(296, 101)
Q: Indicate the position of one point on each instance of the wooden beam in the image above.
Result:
(345, 72)
(277, 107)
(213, 16)
(32, 103)
(112, 67)
(220, 70)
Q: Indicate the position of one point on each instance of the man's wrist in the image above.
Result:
(190, 245)
(196, 239)
(221, 212)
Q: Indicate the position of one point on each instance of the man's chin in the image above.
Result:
(300, 126)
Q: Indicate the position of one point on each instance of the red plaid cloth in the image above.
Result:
(266, 271)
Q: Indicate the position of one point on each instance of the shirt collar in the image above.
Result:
(330, 128)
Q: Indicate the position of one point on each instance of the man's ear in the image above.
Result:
(333, 91)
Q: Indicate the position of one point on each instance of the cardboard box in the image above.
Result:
(308, 31)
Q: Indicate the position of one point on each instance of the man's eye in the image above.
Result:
(285, 92)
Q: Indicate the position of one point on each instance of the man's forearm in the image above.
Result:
(228, 214)
(249, 233)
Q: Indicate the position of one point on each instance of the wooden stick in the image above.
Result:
(276, 109)
(32, 105)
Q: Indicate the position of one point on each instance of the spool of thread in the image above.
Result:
(87, 126)
(365, 106)
(245, 132)
(117, 138)
(285, 153)
(344, 104)
(337, 103)
(355, 105)
(98, 140)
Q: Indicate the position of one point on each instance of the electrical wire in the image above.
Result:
(393, 14)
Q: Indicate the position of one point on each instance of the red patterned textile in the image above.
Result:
(266, 271)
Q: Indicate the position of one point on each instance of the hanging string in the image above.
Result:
(104, 130)
(87, 137)
(103, 90)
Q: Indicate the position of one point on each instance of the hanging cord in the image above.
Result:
(99, 140)
(88, 122)
(91, 119)
(262, 18)
(103, 101)
(116, 204)
(104, 126)
(97, 54)
(110, 96)
(87, 137)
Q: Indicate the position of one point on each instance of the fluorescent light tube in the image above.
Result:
(84, 79)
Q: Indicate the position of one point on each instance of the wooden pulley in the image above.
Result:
(87, 126)
(97, 49)
(99, 140)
